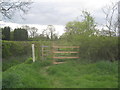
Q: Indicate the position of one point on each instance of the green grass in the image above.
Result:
(72, 74)
(11, 61)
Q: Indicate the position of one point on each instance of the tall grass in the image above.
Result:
(72, 74)
(11, 61)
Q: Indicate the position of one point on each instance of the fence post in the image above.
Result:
(33, 52)
(42, 52)
(38, 51)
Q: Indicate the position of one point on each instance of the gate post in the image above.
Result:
(42, 48)
(33, 52)
(38, 51)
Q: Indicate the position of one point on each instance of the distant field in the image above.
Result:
(72, 74)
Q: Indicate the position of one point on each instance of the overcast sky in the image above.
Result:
(59, 12)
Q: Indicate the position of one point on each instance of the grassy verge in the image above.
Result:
(72, 74)
(11, 61)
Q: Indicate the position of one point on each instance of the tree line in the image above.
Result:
(27, 33)
(19, 34)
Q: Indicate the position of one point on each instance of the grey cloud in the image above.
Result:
(45, 13)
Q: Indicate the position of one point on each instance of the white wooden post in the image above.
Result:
(33, 52)
(42, 52)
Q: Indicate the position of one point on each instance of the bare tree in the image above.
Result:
(44, 32)
(31, 30)
(49, 32)
(111, 17)
(8, 8)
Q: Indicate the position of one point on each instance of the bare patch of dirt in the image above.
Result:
(58, 62)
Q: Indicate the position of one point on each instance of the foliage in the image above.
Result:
(12, 48)
(86, 26)
(39, 38)
(20, 34)
(49, 32)
(96, 48)
(6, 33)
(28, 61)
(12, 35)
(72, 74)
(12, 61)
(92, 45)
(18, 48)
(31, 30)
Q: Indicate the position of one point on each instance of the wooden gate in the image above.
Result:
(60, 50)
(55, 52)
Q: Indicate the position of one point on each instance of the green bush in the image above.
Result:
(93, 48)
(97, 48)
(19, 48)
(29, 61)
(12, 48)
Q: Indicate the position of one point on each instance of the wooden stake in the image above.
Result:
(42, 52)
(33, 52)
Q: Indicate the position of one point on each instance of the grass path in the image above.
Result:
(53, 81)
(73, 74)
(70, 75)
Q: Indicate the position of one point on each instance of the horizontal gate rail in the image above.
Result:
(66, 47)
(45, 46)
(64, 57)
(56, 51)
(45, 54)
(69, 52)
(45, 51)
(65, 52)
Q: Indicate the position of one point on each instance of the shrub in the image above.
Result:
(29, 61)
(18, 48)
(98, 48)
(12, 48)
(6, 33)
